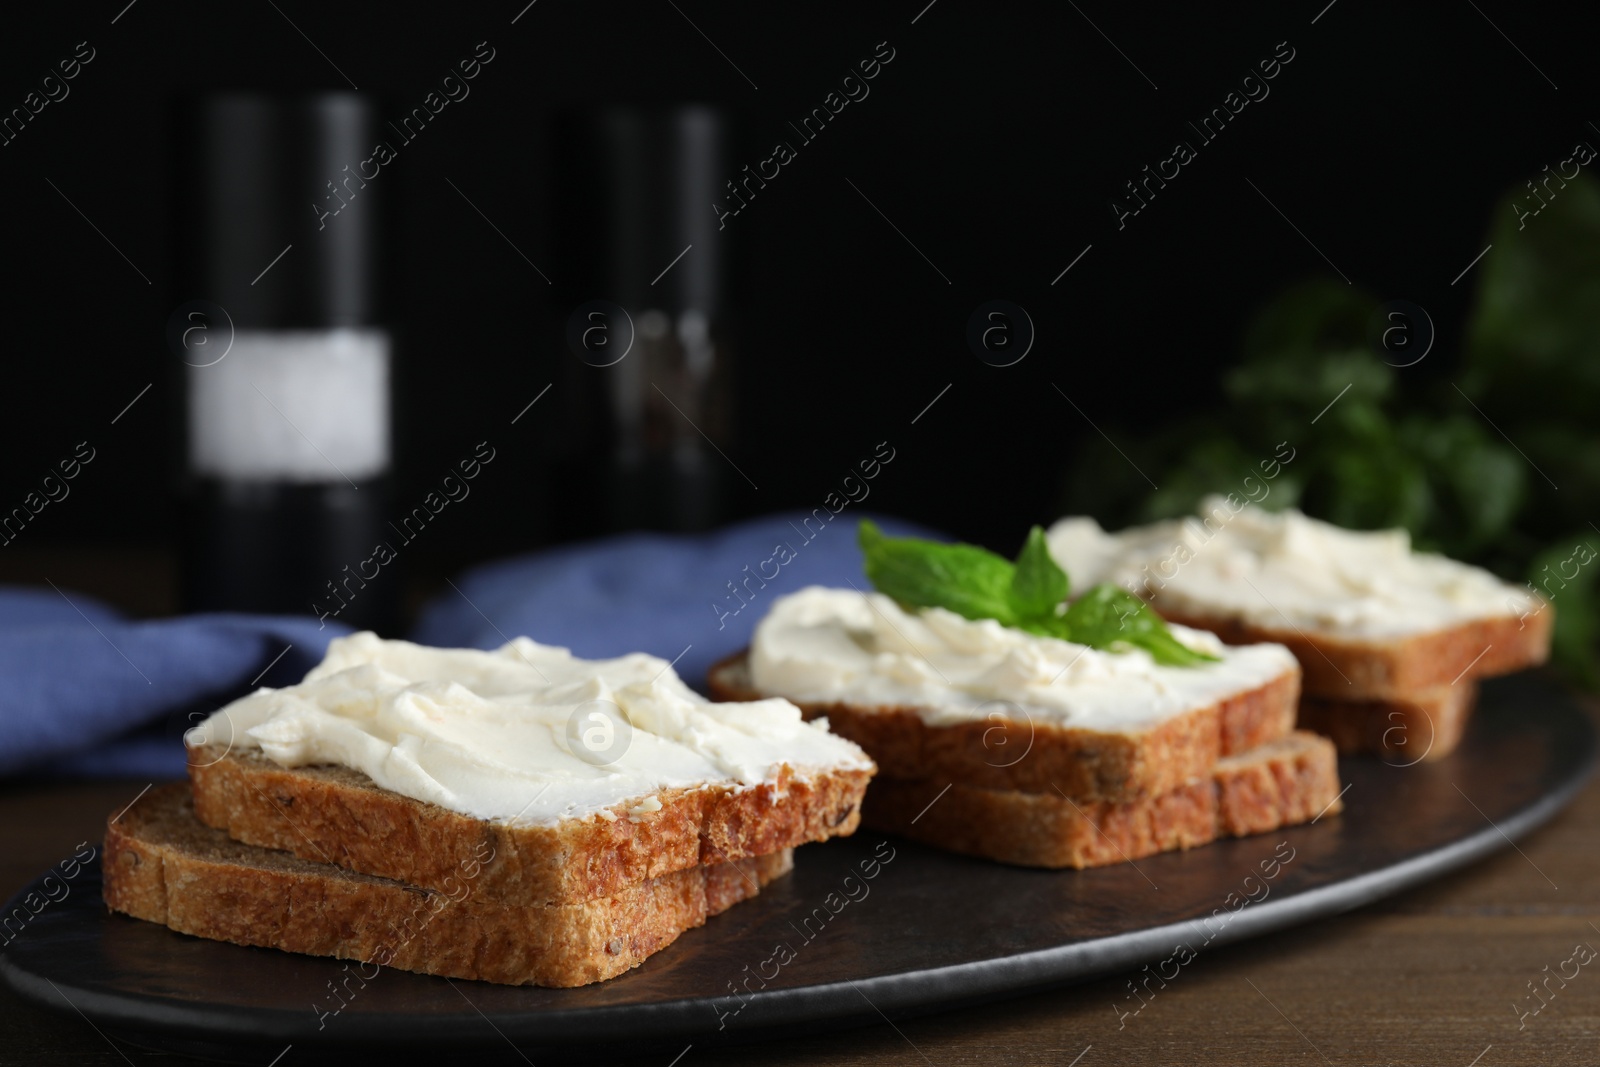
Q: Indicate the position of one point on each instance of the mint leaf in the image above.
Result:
(977, 584)
(970, 581)
(1038, 583)
(1107, 615)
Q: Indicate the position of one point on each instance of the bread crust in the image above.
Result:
(337, 815)
(1422, 728)
(1280, 784)
(1349, 668)
(1087, 765)
(163, 865)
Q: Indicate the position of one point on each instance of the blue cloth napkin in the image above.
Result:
(84, 691)
(74, 674)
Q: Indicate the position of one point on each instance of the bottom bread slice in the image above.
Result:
(163, 865)
(1427, 725)
(1281, 783)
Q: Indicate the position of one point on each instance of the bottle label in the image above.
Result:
(304, 406)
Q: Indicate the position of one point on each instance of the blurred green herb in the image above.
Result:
(1564, 575)
(1415, 448)
(1028, 594)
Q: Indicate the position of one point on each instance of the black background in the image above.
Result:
(994, 141)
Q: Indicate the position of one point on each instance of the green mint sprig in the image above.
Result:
(1027, 595)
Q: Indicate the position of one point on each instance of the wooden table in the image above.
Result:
(1428, 977)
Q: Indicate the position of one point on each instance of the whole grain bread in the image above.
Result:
(337, 815)
(1281, 783)
(1350, 668)
(1423, 727)
(1085, 764)
(163, 865)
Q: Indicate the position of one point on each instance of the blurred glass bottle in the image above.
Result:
(284, 358)
(644, 297)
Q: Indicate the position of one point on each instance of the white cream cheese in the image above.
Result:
(1283, 570)
(840, 645)
(487, 733)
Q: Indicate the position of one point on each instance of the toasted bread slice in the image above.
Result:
(1085, 764)
(334, 814)
(1347, 668)
(1427, 726)
(1368, 616)
(163, 865)
(1281, 783)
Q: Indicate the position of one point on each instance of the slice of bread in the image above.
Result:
(1348, 668)
(1086, 764)
(1424, 727)
(1368, 616)
(1281, 783)
(163, 865)
(333, 814)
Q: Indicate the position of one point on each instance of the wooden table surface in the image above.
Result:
(1427, 977)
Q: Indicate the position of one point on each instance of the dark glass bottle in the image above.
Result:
(645, 312)
(284, 359)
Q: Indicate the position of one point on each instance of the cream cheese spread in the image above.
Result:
(1283, 570)
(845, 646)
(498, 735)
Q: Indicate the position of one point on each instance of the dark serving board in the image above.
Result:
(931, 930)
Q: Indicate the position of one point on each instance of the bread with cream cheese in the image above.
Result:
(163, 865)
(1391, 641)
(1086, 763)
(1369, 618)
(403, 761)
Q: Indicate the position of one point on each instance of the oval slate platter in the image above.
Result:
(931, 930)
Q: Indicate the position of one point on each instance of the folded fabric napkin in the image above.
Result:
(75, 674)
(85, 691)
